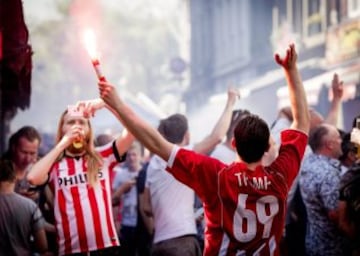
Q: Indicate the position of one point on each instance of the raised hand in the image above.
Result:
(289, 61)
(337, 87)
(89, 107)
(233, 95)
(108, 93)
(75, 133)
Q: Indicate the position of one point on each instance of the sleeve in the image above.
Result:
(118, 157)
(109, 150)
(287, 164)
(197, 171)
(37, 220)
(328, 194)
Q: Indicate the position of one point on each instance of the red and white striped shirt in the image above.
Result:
(83, 214)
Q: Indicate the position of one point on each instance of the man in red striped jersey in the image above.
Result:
(244, 202)
(80, 177)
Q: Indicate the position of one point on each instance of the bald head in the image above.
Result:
(325, 139)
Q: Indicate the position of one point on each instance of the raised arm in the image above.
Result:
(337, 88)
(141, 129)
(298, 101)
(39, 171)
(219, 131)
(89, 107)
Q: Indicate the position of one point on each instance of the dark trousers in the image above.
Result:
(110, 251)
(180, 246)
(134, 241)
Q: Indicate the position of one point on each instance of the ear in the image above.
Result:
(329, 144)
(267, 148)
(233, 143)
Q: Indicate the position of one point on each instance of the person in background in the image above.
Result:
(225, 150)
(244, 203)
(319, 186)
(23, 151)
(22, 229)
(171, 203)
(79, 176)
(349, 194)
(133, 235)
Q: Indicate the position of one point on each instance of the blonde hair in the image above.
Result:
(93, 159)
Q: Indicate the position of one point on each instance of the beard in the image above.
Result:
(77, 150)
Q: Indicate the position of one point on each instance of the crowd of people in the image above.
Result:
(247, 188)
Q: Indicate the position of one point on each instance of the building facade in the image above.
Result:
(233, 42)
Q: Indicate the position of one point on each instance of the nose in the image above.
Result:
(30, 158)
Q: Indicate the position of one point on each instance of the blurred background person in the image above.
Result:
(22, 227)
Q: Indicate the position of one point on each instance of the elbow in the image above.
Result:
(31, 179)
(34, 179)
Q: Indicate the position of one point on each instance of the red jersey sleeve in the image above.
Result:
(197, 171)
(292, 149)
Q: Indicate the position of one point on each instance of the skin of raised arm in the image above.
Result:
(146, 210)
(298, 101)
(91, 106)
(124, 142)
(219, 131)
(337, 88)
(141, 129)
(39, 171)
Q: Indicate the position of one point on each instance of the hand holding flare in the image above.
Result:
(90, 44)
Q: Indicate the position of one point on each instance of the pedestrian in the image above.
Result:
(22, 226)
(172, 202)
(319, 181)
(80, 178)
(23, 151)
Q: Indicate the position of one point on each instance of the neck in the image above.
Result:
(229, 145)
(17, 168)
(75, 153)
(135, 168)
(7, 187)
(326, 153)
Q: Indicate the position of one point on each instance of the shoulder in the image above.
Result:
(24, 202)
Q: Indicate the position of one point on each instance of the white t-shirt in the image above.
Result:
(224, 154)
(172, 202)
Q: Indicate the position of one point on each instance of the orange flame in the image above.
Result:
(90, 43)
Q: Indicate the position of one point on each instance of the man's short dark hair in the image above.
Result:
(7, 172)
(28, 132)
(252, 138)
(174, 128)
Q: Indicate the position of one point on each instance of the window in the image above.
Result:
(353, 8)
(314, 22)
